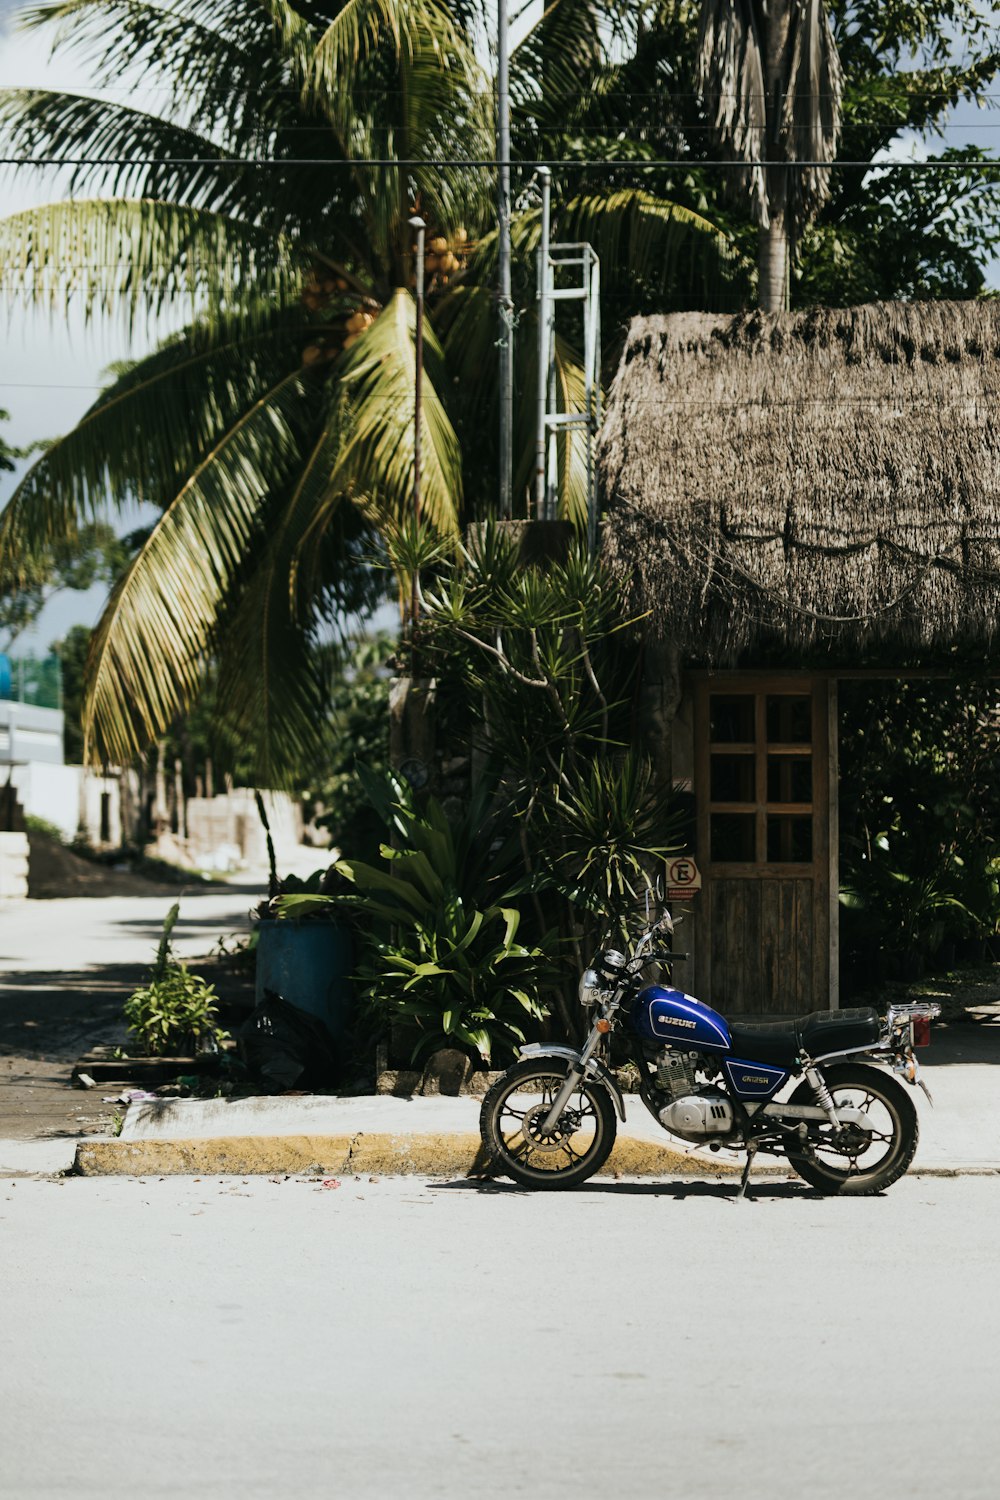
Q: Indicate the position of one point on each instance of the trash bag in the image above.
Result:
(287, 1048)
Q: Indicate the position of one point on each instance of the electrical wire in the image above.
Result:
(464, 163)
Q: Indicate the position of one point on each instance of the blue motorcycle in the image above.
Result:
(849, 1126)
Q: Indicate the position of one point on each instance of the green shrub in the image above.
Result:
(44, 827)
(439, 927)
(177, 1010)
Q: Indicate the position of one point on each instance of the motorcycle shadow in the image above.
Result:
(724, 1189)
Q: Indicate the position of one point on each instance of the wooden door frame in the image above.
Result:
(823, 867)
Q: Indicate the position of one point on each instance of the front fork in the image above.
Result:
(575, 1073)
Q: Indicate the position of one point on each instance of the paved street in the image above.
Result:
(66, 968)
(268, 1339)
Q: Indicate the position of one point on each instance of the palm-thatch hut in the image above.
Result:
(790, 495)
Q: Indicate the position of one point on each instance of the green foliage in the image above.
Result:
(44, 827)
(446, 961)
(906, 234)
(176, 1010)
(920, 805)
(265, 418)
(72, 654)
(898, 234)
(547, 678)
(358, 735)
(92, 554)
(7, 453)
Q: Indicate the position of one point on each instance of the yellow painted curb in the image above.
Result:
(442, 1155)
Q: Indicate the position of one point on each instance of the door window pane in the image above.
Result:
(731, 719)
(789, 719)
(732, 838)
(789, 839)
(789, 778)
(733, 778)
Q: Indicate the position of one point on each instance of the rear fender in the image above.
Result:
(592, 1068)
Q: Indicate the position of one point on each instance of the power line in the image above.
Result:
(491, 163)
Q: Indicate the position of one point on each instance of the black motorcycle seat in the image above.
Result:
(780, 1040)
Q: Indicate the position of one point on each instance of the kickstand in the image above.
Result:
(741, 1196)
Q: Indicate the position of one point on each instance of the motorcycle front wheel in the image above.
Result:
(858, 1159)
(512, 1118)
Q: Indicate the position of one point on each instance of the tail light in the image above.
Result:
(921, 1031)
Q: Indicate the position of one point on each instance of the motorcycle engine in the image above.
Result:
(694, 1113)
(708, 1114)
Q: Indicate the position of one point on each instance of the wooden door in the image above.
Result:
(764, 769)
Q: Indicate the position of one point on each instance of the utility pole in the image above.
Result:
(544, 352)
(420, 228)
(506, 301)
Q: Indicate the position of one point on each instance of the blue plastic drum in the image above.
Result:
(309, 964)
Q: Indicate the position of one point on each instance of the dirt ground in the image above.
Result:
(55, 871)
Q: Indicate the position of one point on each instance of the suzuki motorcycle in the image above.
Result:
(848, 1127)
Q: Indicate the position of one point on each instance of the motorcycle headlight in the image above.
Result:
(590, 987)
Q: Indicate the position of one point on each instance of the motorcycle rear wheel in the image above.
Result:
(859, 1165)
(511, 1118)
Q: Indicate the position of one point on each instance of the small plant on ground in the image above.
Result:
(176, 1010)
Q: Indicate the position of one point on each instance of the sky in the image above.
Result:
(50, 368)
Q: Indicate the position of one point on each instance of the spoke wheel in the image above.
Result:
(512, 1126)
(858, 1159)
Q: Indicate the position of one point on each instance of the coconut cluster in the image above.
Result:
(333, 295)
(443, 258)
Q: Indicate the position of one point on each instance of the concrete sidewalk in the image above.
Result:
(440, 1136)
(89, 943)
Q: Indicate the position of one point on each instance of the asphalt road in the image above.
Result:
(270, 1339)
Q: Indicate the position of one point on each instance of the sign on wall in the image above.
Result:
(683, 879)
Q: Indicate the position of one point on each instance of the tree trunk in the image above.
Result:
(772, 264)
(772, 252)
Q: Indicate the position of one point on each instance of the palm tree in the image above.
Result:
(269, 191)
(770, 77)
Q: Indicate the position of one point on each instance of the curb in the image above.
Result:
(432, 1155)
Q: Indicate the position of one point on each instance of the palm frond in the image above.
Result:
(149, 650)
(227, 65)
(128, 256)
(146, 432)
(731, 81)
(812, 114)
(38, 122)
(555, 60)
(807, 112)
(643, 238)
(375, 429)
(270, 685)
(395, 30)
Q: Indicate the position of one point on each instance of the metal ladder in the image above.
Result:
(585, 288)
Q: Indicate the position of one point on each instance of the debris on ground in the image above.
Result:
(286, 1048)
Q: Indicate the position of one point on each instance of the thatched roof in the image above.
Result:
(819, 477)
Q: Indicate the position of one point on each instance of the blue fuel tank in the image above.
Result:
(661, 1014)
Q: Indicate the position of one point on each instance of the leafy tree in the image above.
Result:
(908, 234)
(92, 554)
(770, 76)
(271, 194)
(919, 811)
(7, 454)
(878, 235)
(72, 655)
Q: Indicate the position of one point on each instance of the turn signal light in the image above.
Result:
(921, 1031)
(605, 1026)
